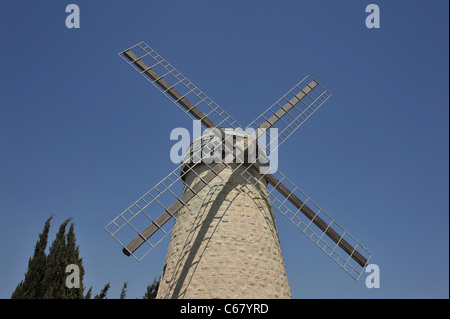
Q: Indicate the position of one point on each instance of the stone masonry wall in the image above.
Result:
(227, 246)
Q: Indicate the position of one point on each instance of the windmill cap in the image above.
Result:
(210, 148)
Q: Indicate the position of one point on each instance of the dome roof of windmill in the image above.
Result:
(208, 148)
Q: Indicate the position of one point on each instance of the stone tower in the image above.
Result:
(228, 246)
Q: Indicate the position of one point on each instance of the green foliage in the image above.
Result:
(152, 289)
(88, 294)
(102, 294)
(30, 287)
(72, 256)
(124, 291)
(46, 274)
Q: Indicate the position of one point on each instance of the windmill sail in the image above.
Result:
(317, 225)
(145, 222)
(176, 87)
(293, 108)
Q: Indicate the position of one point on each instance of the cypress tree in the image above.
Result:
(46, 274)
(30, 287)
(54, 282)
(102, 294)
(72, 256)
(89, 293)
(152, 289)
(124, 291)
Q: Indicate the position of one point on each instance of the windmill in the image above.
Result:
(218, 206)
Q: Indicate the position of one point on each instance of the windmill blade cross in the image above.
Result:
(287, 114)
(168, 213)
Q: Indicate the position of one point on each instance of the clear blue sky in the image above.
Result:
(83, 136)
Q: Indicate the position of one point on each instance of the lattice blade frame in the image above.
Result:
(128, 224)
(180, 83)
(318, 236)
(299, 103)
